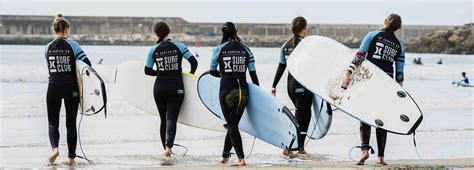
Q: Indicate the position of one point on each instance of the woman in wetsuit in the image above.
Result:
(61, 55)
(383, 49)
(301, 97)
(233, 59)
(168, 90)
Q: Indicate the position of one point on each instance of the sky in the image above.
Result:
(413, 12)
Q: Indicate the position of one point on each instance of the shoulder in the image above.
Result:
(72, 42)
(178, 44)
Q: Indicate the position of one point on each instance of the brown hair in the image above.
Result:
(60, 24)
(297, 25)
(392, 23)
(161, 30)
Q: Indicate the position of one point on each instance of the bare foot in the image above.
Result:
(365, 156)
(224, 160)
(302, 152)
(53, 156)
(72, 162)
(288, 153)
(381, 161)
(241, 162)
(168, 152)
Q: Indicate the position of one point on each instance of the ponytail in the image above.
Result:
(392, 23)
(229, 32)
(297, 25)
(161, 30)
(60, 24)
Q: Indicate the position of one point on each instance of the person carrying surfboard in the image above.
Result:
(61, 55)
(301, 97)
(234, 59)
(383, 49)
(168, 89)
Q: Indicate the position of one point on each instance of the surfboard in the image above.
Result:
(136, 88)
(321, 119)
(265, 117)
(462, 84)
(92, 94)
(319, 64)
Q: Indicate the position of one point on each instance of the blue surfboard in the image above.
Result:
(321, 119)
(265, 117)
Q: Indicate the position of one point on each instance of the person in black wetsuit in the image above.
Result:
(233, 59)
(61, 55)
(168, 90)
(383, 49)
(301, 97)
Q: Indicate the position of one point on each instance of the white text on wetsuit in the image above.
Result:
(234, 61)
(385, 49)
(169, 61)
(59, 61)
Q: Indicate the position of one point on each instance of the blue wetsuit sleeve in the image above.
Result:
(46, 53)
(251, 66)
(282, 55)
(215, 55)
(184, 50)
(149, 59)
(363, 50)
(365, 44)
(78, 52)
(400, 65)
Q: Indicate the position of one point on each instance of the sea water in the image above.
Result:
(130, 137)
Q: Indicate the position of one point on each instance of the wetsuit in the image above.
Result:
(168, 90)
(233, 58)
(61, 55)
(383, 49)
(465, 80)
(301, 97)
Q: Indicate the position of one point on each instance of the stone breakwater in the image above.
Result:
(458, 40)
(137, 31)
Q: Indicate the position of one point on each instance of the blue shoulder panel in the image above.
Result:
(251, 66)
(78, 52)
(46, 52)
(215, 56)
(364, 46)
(149, 59)
(282, 53)
(184, 50)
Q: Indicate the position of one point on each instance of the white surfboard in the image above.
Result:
(321, 119)
(265, 117)
(93, 97)
(319, 64)
(137, 89)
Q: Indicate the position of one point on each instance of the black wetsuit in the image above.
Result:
(233, 58)
(301, 97)
(383, 49)
(168, 90)
(61, 55)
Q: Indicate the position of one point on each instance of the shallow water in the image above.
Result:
(130, 137)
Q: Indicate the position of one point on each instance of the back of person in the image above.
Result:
(384, 49)
(234, 58)
(61, 61)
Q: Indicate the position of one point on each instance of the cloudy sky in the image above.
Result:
(413, 12)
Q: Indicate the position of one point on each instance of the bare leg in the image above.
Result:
(72, 162)
(168, 152)
(381, 161)
(53, 156)
(241, 162)
(288, 153)
(364, 157)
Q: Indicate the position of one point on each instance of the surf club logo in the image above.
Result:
(385, 50)
(60, 62)
(167, 60)
(234, 61)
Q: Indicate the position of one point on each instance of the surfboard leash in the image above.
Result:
(182, 146)
(80, 142)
